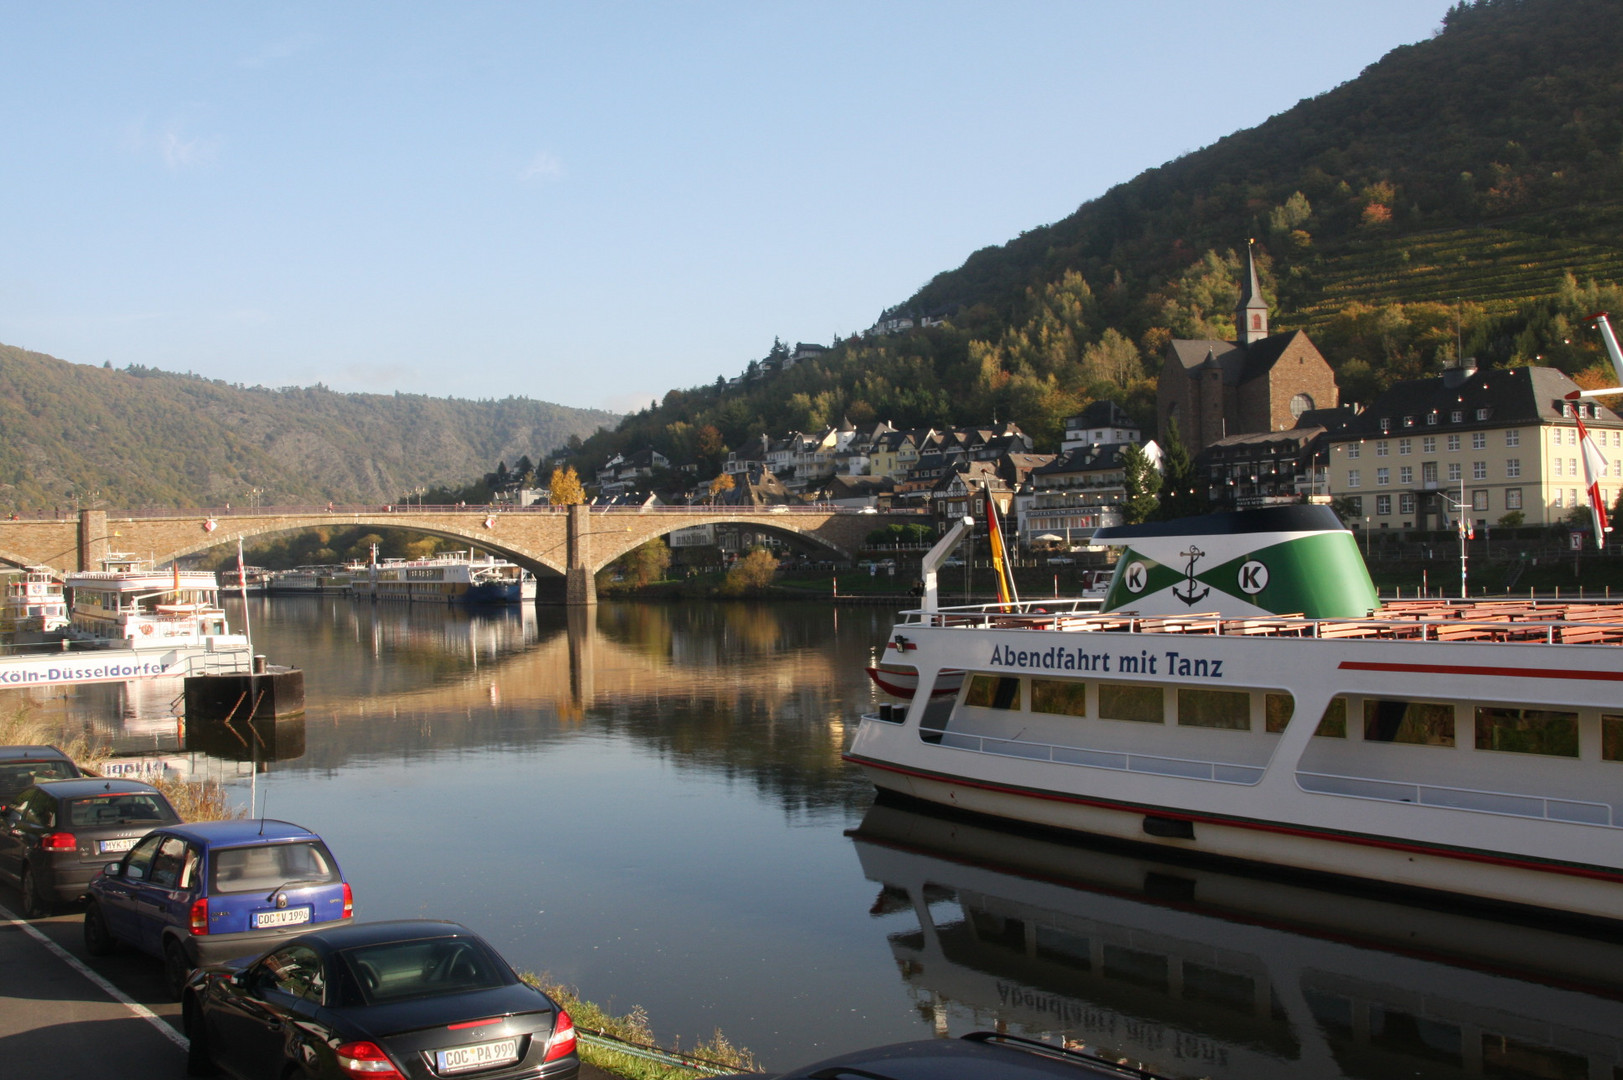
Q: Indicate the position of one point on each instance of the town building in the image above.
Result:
(1500, 440)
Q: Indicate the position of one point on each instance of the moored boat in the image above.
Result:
(1243, 693)
(454, 577)
(34, 606)
(131, 604)
(320, 579)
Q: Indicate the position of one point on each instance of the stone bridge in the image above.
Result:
(573, 541)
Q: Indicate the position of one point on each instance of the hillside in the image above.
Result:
(1463, 191)
(141, 437)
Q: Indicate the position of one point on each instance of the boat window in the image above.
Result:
(1277, 710)
(1424, 723)
(1226, 709)
(1527, 731)
(1121, 701)
(1507, 1055)
(1214, 986)
(1333, 724)
(993, 692)
(1611, 737)
(1066, 697)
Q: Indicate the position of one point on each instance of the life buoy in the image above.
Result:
(146, 628)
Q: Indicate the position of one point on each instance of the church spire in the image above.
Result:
(1251, 315)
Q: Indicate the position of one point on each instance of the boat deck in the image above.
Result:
(1524, 621)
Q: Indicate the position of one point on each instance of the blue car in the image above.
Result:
(197, 894)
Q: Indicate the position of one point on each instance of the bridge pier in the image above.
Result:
(93, 537)
(580, 586)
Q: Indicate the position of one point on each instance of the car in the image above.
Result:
(20, 766)
(980, 1055)
(951, 560)
(1061, 560)
(407, 999)
(203, 892)
(58, 834)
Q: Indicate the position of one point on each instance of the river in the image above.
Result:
(647, 802)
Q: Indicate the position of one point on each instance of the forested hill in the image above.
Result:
(1464, 190)
(141, 437)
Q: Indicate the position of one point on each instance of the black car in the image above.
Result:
(383, 1000)
(60, 833)
(20, 766)
(982, 1055)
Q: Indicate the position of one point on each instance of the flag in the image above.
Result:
(1594, 469)
(1000, 555)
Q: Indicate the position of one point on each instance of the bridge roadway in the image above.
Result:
(574, 541)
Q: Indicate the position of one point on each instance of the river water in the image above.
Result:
(647, 802)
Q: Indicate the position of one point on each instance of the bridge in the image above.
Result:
(572, 541)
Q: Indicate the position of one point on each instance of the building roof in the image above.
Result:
(1238, 363)
(1101, 414)
(1493, 396)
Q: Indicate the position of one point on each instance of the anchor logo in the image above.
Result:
(1194, 555)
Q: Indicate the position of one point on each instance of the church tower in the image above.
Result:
(1251, 316)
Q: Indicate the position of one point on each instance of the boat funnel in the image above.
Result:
(1278, 560)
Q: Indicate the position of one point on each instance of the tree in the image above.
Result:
(753, 571)
(1180, 493)
(648, 563)
(1142, 483)
(722, 483)
(565, 488)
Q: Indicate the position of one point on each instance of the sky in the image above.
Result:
(588, 203)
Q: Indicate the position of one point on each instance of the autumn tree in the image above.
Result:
(565, 488)
(648, 563)
(753, 571)
(722, 484)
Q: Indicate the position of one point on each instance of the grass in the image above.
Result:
(716, 1055)
(193, 800)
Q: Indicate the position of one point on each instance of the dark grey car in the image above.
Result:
(21, 766)
(60, 833)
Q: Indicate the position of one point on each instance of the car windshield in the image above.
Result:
(405, 969)
(125, 808)
(263, 867)
(15, 777)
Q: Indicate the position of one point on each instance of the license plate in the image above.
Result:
(286, 917)
(478, 1056)
(118, 845)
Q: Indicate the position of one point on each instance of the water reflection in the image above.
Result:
(1201, 973)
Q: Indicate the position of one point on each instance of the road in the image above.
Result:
(65, 1015)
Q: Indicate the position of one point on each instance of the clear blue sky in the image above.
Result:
(584, 203)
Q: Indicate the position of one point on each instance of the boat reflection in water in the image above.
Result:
(1201, 973)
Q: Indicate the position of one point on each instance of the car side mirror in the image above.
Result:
(113, 869)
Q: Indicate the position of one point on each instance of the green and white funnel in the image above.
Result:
(1281, 560)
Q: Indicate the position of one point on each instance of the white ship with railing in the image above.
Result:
(452, 577)
(35, 607)
(1282, 716)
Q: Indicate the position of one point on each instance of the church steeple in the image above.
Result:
(1251, 315)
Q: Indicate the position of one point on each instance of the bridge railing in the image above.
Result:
(484, 510)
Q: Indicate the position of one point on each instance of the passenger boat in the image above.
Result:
(129, 603)
(34, 605)
(1242, 692)
(248, 579)
(455, 577)
(319, 579)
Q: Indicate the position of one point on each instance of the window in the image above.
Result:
(1383, 477)
(1513, 498)
(1431, 419)
(1457, 416)
(1354, 449)
(1454, 471)
(1513, 468)
(1227, 709)
(1061, 697)
(1119, 701)
(1333, 724)
(1301, 403)
(1527, 731)
(1483, 414)
(262, 867)
(1383, 505)
(1611, 737)
(1453, 442)
(1479, 440)
(1382, 448)
(1353, 479)
(1479, 470)
(1428, 445)
(1428, 472)
(1409, 421)
(1513, 438)
(1422, 723)
(1404, 446)
(1479, 500)
(1276, 712)
(295, 970)
(1406, 474)
(1556, 502)
(1406, 503)
(1386, 423)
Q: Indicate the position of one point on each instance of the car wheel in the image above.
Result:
(35, 906)
(199, 1062)
(99, 941)
(175, 969)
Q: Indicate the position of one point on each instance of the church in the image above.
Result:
(1260, 382)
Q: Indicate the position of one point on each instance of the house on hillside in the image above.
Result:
(1258, 382)
(627, 472)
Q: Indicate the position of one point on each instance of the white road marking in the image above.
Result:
(112, 991)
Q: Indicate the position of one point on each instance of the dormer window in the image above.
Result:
(1431, 419)
(1386, 423)
(1483, 414)
(1457, 416)
(1408, 421)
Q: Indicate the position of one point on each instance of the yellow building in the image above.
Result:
(1502, 440)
